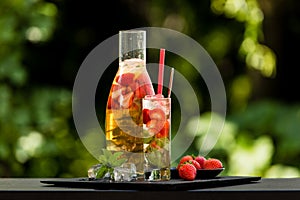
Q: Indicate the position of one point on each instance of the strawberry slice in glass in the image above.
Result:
(157, 114)
(146, 117)
(154, 126)
(164, 132)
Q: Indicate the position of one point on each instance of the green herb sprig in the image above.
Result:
(109, 161)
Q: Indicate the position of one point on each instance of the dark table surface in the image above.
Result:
(266, 188)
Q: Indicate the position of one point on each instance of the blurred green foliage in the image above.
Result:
(37, 135)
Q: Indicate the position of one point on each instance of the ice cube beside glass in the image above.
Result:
(126, 172)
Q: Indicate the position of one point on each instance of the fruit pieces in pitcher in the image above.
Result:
(125, 79)
(124, 123)
(127, 89)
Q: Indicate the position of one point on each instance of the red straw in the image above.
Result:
(161, 71)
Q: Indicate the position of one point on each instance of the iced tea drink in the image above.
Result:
(157, 137)
(124, 120)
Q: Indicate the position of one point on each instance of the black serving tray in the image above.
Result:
(172, 185)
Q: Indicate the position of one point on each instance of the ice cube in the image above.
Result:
(126, 172)
(92, 171)
(153, 175)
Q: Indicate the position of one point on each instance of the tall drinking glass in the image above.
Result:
(157, 133)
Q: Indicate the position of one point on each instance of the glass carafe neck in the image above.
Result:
(132, 45)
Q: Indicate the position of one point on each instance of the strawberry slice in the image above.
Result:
(140, 92)
(154, 126)
(109, 102)
(164, 132)
(145, 84)
(143, 78)
(157, 114)
(116, 87)
(126, 100)
(152, 131)
(126, 90)
(125, 79)
(116, 94)
(146, 117)
(133, 86)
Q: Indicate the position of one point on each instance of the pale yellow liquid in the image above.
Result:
(124, 126)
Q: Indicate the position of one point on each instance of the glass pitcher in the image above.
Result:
(124, 120)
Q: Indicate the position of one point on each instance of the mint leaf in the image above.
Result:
(118, 162)
(107, 154)
(116, 155)
(102, 171)
(111, 160)
(102, 159)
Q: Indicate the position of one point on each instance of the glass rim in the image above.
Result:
(132, 31)
(152, 97)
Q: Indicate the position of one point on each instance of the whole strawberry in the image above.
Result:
(200, 160)
(213, 163)
(195, 163)
(184, 159)
(187, 172)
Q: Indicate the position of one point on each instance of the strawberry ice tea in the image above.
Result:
(157, 135)
(124, 120)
